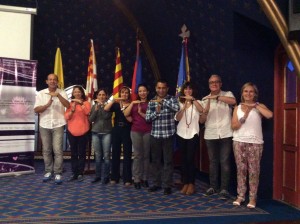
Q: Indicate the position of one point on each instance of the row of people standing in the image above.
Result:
(142, 122)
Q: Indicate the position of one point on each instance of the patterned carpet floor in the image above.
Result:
(26, 199)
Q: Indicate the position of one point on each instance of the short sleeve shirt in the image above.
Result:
(53, 116)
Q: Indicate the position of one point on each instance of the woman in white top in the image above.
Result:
(248, 142)
(189, 116)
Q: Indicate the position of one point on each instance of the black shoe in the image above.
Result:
(137, 185)
(80, 178)
(73, 177)
(167, 191)
(145, 184)
(224, 195)
(105, 181)
(210, 191)
(97, 179)
(154, 188)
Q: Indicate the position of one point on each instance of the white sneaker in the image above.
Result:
(47, 177)
(58, 179)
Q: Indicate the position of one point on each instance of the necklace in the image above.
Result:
(122, 106)
(188, 123)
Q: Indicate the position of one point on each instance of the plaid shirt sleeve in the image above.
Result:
(151, 112)
(163, 123)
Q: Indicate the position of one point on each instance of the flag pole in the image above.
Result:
(137, 72)
(184, 71)
(91, 87)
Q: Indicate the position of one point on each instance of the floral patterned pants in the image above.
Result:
(247, 158)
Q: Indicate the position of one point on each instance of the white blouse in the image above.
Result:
(188, 126)
(251, 130)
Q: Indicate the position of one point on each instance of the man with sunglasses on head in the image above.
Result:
(218, 135)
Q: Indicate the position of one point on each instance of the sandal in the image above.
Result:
(191, 189)
(251, 204)
(238, 201)
(184, 189)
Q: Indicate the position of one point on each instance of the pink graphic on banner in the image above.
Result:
(17, 118)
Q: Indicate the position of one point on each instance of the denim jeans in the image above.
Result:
(162, 161)
(102, 145)
(52, 141)
(219, 154)
(141, 153)
(78, 152)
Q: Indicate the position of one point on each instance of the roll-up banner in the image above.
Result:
(17, 117)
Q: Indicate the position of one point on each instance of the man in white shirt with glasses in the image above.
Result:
(218, 136)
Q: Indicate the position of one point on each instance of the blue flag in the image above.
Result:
(182, 71)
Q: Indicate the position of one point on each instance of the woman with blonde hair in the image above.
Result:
(248, 142)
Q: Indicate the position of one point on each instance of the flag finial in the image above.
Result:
(185, 33)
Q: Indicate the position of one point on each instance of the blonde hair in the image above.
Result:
(255, 91)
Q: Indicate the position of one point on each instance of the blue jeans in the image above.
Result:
(52, 140)
(102, 145)
(219, 154)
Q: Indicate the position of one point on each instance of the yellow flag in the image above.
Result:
(58, 69)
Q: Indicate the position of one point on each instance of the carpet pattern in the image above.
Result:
(26, 199)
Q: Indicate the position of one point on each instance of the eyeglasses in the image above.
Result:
(214, 82)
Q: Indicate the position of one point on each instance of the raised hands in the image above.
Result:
(77, 101)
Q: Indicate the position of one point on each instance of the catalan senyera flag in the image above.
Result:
(137, 73)
(184, 70)
(91, 83)
(118, 81)
(58, 69)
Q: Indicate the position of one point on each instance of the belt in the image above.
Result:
(122, 124)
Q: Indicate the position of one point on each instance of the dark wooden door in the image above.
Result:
(286, 132)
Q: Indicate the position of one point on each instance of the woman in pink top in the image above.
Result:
(78, 127)
(140, 136)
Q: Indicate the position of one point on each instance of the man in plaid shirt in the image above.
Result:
(161, 111)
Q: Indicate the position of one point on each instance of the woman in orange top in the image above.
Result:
(78, 127)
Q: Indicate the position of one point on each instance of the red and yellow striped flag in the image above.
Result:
(118, 81)
(91, 83)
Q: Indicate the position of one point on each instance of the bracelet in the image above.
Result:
(242, 120)
(256, 104)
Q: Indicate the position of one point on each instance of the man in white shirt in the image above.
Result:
(218, 135)
(50, 104)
